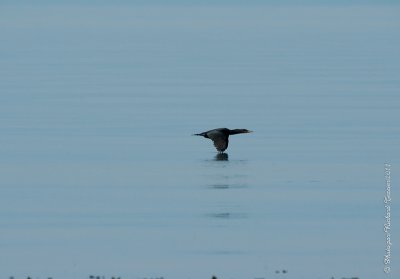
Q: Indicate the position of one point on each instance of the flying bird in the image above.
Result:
(220, 136)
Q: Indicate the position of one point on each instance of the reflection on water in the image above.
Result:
(225, 208)
(221, 186)
(221, 157)
(227, 215)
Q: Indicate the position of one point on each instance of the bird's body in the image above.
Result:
(220, 136)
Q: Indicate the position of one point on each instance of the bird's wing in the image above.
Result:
(220, 140)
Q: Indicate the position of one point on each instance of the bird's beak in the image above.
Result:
(250, 131)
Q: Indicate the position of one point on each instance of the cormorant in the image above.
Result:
(220, 136)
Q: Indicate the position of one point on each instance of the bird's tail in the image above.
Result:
(201, 134)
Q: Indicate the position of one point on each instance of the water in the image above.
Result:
(98, 171)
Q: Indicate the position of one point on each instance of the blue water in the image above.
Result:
(99, 173)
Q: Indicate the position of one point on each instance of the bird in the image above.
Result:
(220, 136)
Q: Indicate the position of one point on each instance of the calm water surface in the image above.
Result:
(99, 174)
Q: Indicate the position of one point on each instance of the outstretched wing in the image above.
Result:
(220, 140)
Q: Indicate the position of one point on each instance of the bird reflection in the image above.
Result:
(223, 215)
(227, 215)
(228, 186)
(221, 157)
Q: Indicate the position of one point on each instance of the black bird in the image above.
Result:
(220, 136)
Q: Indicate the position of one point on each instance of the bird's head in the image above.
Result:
(240, 131)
